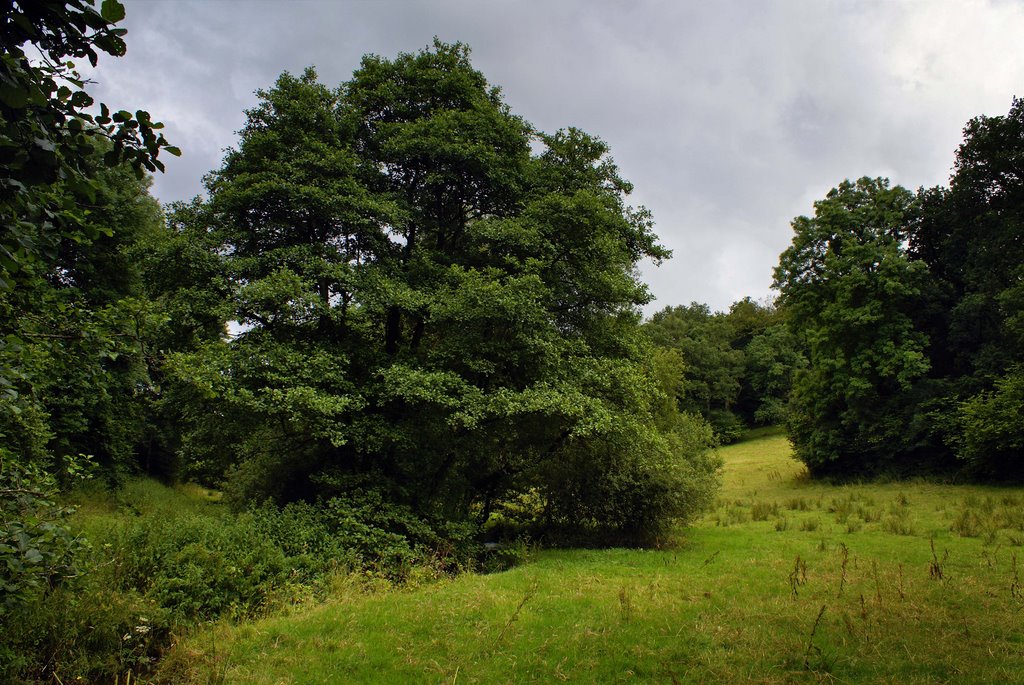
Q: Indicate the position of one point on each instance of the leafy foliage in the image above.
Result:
(850, 292)
(75, 341)
(737, 364)
(37, 552)
(73, 363)
(990, 437)
(772, 358)
(703, 339)
(47, 134)
(910, 308)
(970, 237)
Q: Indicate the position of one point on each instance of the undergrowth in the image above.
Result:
(158, 561)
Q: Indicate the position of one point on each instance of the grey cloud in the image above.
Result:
(730, 117)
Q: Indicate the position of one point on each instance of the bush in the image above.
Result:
(87, 632)
(61, 618)
(498, 557)
(198, 567)
(162, 560)
(771, 412)
(655, 481)
(990, 439)
(727, 426)
(204, 564)
(37, 551)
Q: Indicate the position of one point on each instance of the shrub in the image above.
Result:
(968, 524)
(497, 557)
(198, 567)
(632, 493)
(762, 511)
(990, 439)
(85, 632)
(727, 426)
(202, 564)
(810, 525)
(37, 551)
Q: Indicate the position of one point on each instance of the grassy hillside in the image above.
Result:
(786, 581)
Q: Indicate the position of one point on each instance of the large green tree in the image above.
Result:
(851, 293)
(911, 310)
(430, 310)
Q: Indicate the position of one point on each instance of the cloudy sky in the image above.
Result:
(730, 118)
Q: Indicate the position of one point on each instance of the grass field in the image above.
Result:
(787, 580)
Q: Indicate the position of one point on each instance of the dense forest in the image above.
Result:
(402, 322)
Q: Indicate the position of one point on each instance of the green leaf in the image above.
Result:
(13, 97)
(171, 150)
(112, 11)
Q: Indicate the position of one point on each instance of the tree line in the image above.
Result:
(734, 369)
(910, 309)
(896, 343)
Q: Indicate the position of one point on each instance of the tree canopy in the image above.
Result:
(850, 291)
(431, 310)
(910, 308)
(47, 132)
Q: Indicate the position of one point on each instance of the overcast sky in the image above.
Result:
(730, 118)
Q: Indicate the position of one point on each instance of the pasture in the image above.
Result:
(786, 580)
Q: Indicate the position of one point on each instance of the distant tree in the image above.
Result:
(772, 358)
(770, 355)
(714, 367)
(748, 318)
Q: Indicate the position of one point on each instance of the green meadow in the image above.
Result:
(785, 580)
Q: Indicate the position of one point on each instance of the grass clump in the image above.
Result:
(762, 511)
(798, 504)
(810, 525)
